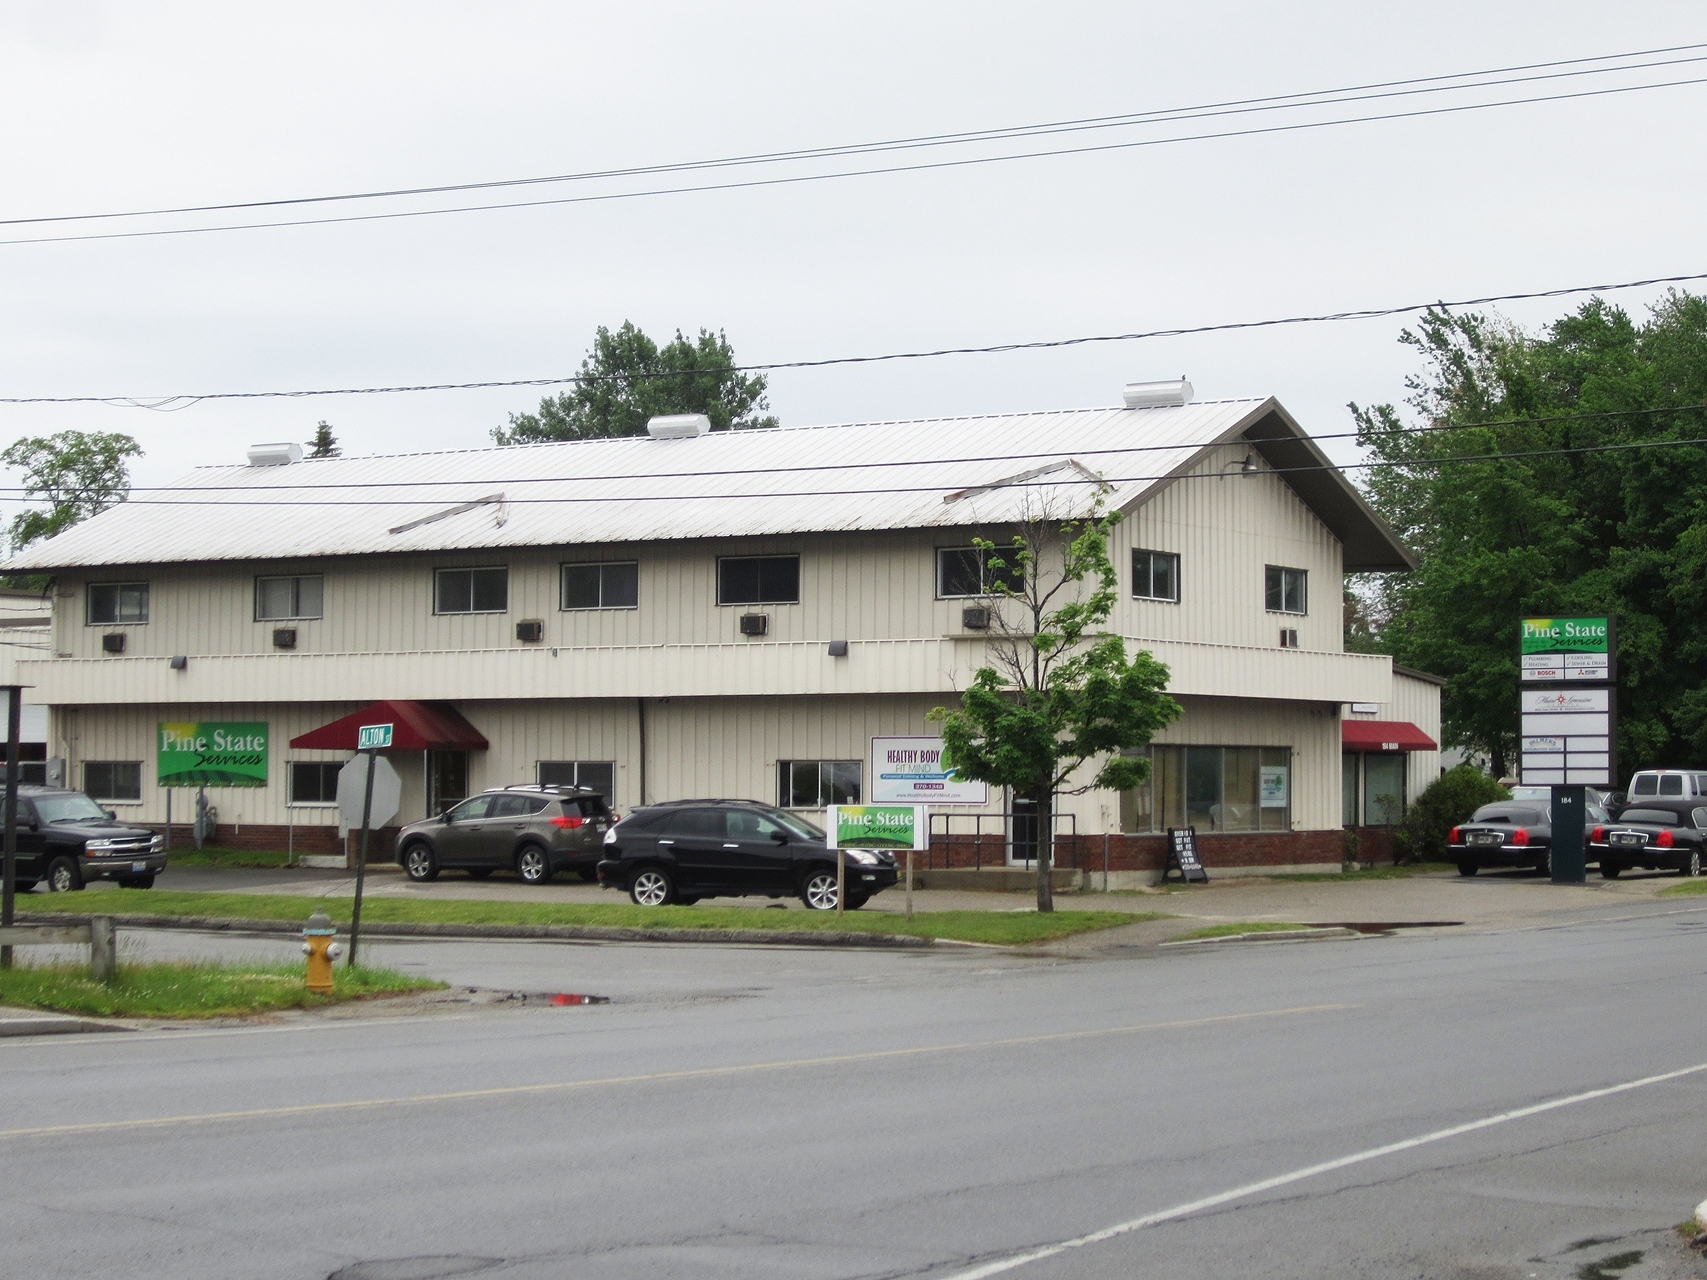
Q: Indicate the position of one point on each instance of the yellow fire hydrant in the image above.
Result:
(321, 950)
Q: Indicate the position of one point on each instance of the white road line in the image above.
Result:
(1016, 1261)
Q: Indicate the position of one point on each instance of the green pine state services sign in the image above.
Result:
(212, 753)
(876, 826)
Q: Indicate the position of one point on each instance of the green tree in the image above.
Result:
(1600, 509)
(1060, 694)
(324, 444)
(1448, 800)
(627, 378)
(76, 473)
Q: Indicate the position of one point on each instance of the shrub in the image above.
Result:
(1448, 800)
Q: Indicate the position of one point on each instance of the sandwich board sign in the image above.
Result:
(876, 826)
(1182, 856)
(373, 737)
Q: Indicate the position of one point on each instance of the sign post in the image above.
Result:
(371, 740)
(876, 826)
(1569, 729)
(9, 865)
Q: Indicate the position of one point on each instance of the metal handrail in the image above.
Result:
(1002, 837)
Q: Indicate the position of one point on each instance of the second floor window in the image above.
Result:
(758, 580)
(599, 775)
(1285, 590)
(113, 602)
(601, 586)
(967, 571)
(1155, 575)
(298, 597)
(471, 590)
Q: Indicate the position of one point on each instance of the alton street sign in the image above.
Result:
(373, 737)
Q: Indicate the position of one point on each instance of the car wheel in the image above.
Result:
(533, 864)
(137, 882)
(651, 887)
(419, 864)
(479, 873)
(1691, 864)
(63, 876)
(1468, 868)
(1609, 870)
(818, 891)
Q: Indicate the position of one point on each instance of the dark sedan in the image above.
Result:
(1509, 834)
(1656, 834)
(692, 849)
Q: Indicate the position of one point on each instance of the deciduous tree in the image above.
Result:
(77, 473)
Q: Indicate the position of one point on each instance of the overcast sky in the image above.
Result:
(134, 105)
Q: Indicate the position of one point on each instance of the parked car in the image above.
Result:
(692, 849)
(1668, 784)
(1511, 833)
(67, 840)
(1656, 833)
(535, 831)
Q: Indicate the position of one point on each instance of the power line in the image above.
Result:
(1388, 88)
(861, 173)
(1097, 481)
(171, 402)
(607, 478)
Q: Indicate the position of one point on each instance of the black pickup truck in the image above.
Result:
(67, 839)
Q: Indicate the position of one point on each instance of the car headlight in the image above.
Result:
(99, 844)
(864, 856)
(156, 844)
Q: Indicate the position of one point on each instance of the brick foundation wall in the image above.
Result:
(1374, 844)
(262, 837)
(1150, 852)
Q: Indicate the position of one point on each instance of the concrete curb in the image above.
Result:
(585, 932)
(1271, 935)
(23, 1022)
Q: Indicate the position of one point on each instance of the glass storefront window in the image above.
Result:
(1212, 789)
(1383, 790)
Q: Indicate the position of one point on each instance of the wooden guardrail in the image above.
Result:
(98, 935)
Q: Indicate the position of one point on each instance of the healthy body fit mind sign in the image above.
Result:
(212, 754)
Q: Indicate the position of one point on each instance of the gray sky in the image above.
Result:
(120, 106)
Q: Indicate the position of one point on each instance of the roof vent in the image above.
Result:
(1158, 395)
(677, 426)
(275, 455)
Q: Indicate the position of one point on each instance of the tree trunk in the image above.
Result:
(1043, 804)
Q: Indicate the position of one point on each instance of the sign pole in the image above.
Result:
(909, 884)
(9, 858)
(1567, 856)
(841, 876)
(361, 858)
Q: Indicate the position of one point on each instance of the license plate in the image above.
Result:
(1629, 838)
(1486, 838)
(139, 866)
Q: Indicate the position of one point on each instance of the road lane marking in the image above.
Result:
(1015, 1261)
(692, 1073)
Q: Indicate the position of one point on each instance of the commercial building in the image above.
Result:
(724, 614)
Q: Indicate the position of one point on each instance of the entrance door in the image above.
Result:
(1022, 833)
(447, 780)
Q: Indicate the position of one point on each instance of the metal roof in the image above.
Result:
(969, 471)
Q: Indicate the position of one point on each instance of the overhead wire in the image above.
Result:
(184, 400)
(1387, 88)
(796, 179)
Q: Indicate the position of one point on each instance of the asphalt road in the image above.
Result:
(769, 1112)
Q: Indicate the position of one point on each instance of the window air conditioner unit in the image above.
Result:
(755, 624)
(531, 631)
(1288, 637)
(284, 637)
(113, 642)
(975, 619)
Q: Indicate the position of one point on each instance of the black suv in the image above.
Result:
(534, 831)
(692, 849)
(67, 839)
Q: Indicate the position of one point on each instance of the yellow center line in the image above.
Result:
(692, 1073)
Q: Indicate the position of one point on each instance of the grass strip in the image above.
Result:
(192, 989)
(998, 927)
(1237, 927)
(1688, 889)
(208, 856)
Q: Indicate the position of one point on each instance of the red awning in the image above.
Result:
(1385, 735)
(418, 726)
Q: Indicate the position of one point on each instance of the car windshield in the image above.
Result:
(1653, 817)
(72, 808)
(1532, 793)
(1517, 815)
(795, 825)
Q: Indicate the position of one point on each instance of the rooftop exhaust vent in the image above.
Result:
(275, 455)
(678, 426)
(1157, 395)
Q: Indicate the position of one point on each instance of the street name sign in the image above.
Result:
(373, 737)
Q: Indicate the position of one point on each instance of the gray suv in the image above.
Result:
(534, 831)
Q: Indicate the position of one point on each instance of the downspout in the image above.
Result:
(640, 712)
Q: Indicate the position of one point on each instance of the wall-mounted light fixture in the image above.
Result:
(838, 648)
(178, 662)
